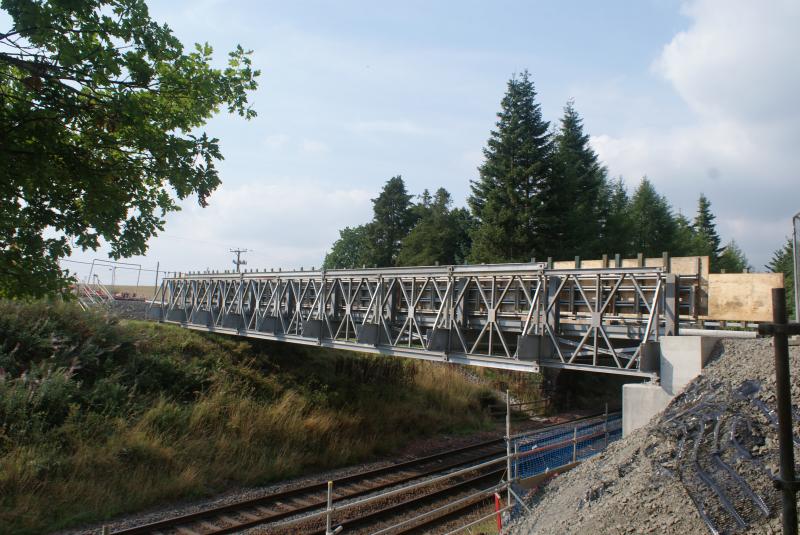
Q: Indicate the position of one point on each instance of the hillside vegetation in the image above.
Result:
(100, 417)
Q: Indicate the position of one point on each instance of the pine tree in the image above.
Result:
(617, 233)
(506, 197)
(782, 262)
(393, 219)
(351, 250)
(706, 236)
(732, 259)
(440, 236)
(573, 195)
(685, 240)
(652, 225)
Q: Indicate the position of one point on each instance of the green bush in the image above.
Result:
(100, 417)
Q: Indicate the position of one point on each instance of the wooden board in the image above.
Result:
(742, 296)
(681, 265)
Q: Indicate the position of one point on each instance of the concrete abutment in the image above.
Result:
(682, 358)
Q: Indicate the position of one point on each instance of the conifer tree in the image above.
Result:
(732, 259)
(441, 235)
(685, 241)
(573, 195)
(393, 219)
(782, 262)
(706, 236)
(617, 234)
(652, 225)
(506, 199)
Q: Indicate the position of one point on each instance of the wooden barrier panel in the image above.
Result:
(742, 296)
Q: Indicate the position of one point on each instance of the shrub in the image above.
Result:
(100, 417)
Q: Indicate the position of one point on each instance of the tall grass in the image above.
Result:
(99, 417)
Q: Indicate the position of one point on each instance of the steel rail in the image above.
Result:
(403, 505)
(447, 510)
(312, 488)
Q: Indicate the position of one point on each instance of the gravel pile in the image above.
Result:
(655, 480)
(129, 309)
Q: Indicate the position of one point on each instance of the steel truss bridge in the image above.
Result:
(509, 316)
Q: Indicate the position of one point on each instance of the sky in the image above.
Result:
(699, 96)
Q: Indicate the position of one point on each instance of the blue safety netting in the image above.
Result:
(560, 446)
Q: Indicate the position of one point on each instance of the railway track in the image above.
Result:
(274, 507)
(297, 510)
(421, 510)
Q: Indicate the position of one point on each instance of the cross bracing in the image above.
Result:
(510, 316)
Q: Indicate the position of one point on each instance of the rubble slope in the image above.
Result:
(719, 430)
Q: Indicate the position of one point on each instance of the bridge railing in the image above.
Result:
(514, 316)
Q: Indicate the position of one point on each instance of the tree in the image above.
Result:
(573, 194)
(685, 240)
(351, 250)
(652, 226)
(617, 233)
(782, 262)
(706, 236)
(505, 199)
(102, 111)
(732, 259)
(393, 219)
(440, 236)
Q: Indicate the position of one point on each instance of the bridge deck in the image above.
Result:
(509, 316)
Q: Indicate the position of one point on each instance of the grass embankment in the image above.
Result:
(99, 417)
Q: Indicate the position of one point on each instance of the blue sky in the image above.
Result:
(698, 95)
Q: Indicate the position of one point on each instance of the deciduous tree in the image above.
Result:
(102, 112)
(351, 250)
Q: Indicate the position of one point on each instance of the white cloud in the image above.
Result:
(727, 64)
(735, 70)
(312, 146)
(284, 222)
(276, 142)
(404, 127)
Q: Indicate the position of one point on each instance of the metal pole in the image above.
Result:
(605, 428)
(796, 251)
(575, 444)
(783, 390)
(508, 445)
(155, 288)
(328, 530)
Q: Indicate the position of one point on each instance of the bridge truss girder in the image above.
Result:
(510, 316)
